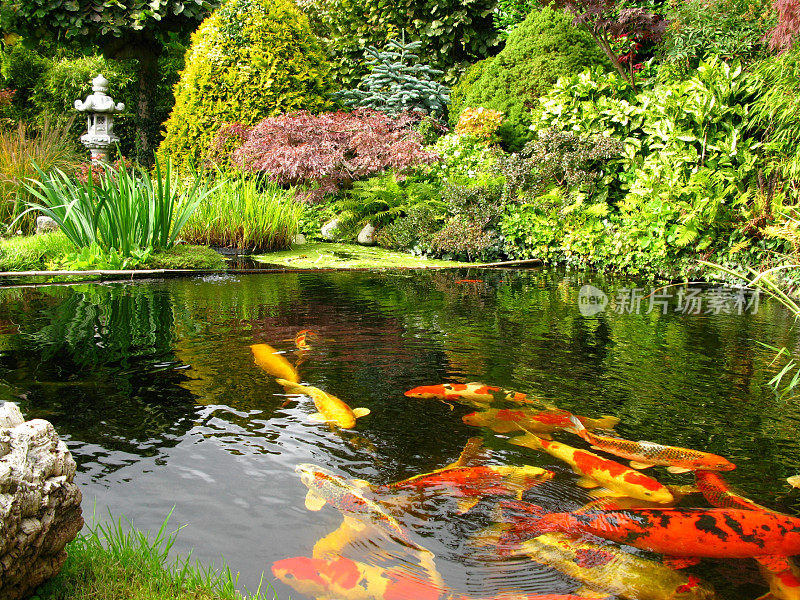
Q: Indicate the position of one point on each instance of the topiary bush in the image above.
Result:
(249, 60)
(543, 48)
(458, 94)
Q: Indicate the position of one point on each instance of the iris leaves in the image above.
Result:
(126, 209)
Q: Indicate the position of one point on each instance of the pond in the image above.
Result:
(154, 387)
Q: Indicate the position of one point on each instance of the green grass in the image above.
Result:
(32, 253)
(112, 561)
(349, 256)
(245, 213)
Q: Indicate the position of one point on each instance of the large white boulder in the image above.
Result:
(40, 505)
(328, 231)
(366, 237)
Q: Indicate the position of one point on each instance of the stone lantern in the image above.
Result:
(101, 108)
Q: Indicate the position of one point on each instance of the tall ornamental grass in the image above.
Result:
(123, 208)
(246, 212)
(50, 147)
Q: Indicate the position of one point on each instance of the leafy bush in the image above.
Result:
(125, 209)
(245, 213)
(729, 29)
(465, 238)
(329, 150)
(510, 13)
(21, 69)
(453, 32)
(480, 122)
(21, 150)
(249, 60)
(380, 200)
(543, 48)
(463, 158)
(414, 231)
(396, 83)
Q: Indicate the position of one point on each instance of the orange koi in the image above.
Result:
(691, 532)
(472, 483)
(475, 393)
(541, 423)
(331, 409)
(644, 454)
(615, 479)
(302, 337)
(719, 494)
(273, 363)
(346, 579)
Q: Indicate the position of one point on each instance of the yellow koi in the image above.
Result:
(331, 409)
(273, 363)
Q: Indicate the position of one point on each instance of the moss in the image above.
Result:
(543, 48)
(30, 253)
(186, 256)
(249, 60)
(349, 256)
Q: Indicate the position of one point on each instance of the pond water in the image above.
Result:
(153, 386)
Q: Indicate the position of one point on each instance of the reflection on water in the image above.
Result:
(155, 389)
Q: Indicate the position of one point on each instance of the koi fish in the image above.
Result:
(472, 483)
(346, 579)
(541, 423)
(611, 570)
(596, 471)
(331, 409)
(475, 393)
(644, 454)
(794, 481)
(348, 497)
(302, 337)
(718, 494)
(619, 503)
(783, 582)
(691, 532)
(273, 363)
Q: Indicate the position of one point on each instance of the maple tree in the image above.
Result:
(329, 150)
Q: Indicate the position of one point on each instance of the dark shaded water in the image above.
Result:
(154, 388)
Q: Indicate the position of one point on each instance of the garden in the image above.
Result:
(618, 144)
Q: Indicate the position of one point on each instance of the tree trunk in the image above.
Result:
(146, 128)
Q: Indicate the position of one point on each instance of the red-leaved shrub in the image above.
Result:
(329, 150)
(783, 35)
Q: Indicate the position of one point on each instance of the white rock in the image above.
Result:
(366, 237)
(40, 505)
(298, 240)
(45, 225)
(328, 230)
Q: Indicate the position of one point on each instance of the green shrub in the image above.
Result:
(463, 158)
(414, 231)
(21, 69)
(727, 29)
(453, 32)
(458, 94)
(249, 60)
(33, 252)
(543, 48)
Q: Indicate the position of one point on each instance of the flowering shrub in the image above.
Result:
(329, 150)
(480, 122)
(462, 157)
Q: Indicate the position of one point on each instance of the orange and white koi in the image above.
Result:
(273, 363)
(783, 580)
(302, 337)
(611, 570)
(615, 479)
(794, 481)
(541, 423)
(331, 409)
(346, 579)
(475, 393)
(645, 454)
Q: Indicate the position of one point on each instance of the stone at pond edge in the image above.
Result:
(366, 237)
(45, 225)
(40, 505)
(328, 230)
(298, 240)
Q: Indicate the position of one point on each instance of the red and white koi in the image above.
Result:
(475, 393)
(541, 423)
